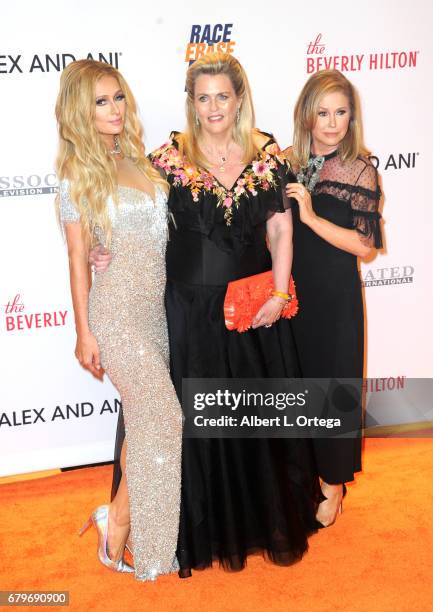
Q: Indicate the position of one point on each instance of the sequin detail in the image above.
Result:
(310, 175)
(127, 316)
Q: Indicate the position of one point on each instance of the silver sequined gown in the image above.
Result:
(127, 316)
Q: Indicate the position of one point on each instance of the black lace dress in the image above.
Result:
(329, 328)
(238, 495)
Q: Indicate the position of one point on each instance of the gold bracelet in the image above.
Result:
(280, 294)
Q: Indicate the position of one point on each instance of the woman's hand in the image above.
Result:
(269, 312)
(100, 258)
(345, 239)
(87, 353)
(303, 197)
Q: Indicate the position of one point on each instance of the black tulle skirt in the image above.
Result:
(239, 496)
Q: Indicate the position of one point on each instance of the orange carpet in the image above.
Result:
(377, 557)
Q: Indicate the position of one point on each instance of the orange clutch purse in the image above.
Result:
(246, 296)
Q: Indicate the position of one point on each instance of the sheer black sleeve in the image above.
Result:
(364, 201)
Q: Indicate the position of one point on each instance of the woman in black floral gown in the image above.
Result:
(336, 221)
(238, 495)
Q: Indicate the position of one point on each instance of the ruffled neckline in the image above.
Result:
(260, 174)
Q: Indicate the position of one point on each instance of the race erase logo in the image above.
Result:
(319, 59)
(17, 319)
(209, 38)
(53, 62)
(28, 184)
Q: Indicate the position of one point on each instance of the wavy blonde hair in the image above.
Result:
(305, 115)
(82, 155)
(243, 130)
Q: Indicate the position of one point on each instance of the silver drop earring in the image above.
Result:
(238, 114)
(197, 122)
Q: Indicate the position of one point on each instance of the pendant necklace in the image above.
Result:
(224, 158)
(117, 150)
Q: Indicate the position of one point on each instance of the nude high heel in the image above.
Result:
(99, 519)
(338, 511)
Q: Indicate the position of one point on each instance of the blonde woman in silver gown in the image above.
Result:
(110, 193)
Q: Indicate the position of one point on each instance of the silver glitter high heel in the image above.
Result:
(99, 519)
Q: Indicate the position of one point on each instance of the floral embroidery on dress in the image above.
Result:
(259, 174)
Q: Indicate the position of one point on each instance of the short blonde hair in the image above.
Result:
(214, 64)
(305, 116)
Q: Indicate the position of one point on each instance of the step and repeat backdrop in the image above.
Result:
(52, 412)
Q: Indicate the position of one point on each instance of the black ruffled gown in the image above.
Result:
(238, 495)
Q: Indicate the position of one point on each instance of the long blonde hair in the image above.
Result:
(305, 115)
(243, 131)
(82, 155)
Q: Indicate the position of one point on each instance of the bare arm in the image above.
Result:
(86, 351)
(279, 230)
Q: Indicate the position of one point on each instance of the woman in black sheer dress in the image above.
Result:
(238, 495)
(336, 221)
